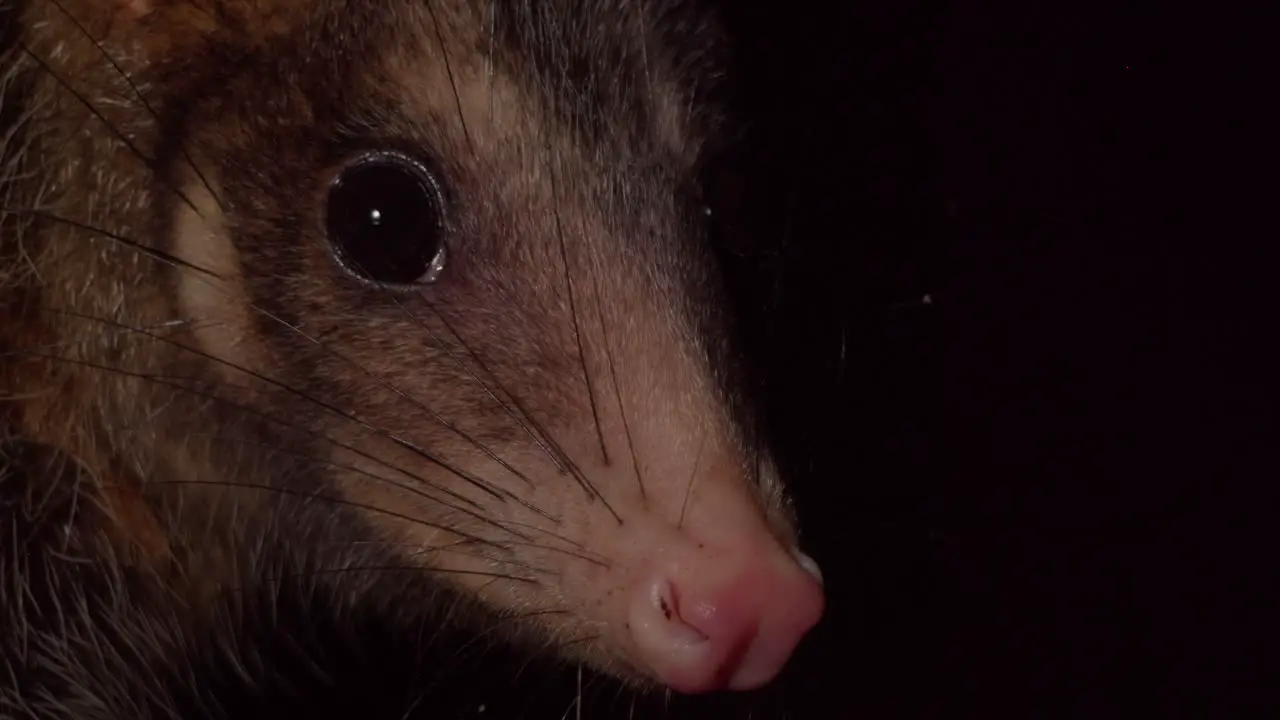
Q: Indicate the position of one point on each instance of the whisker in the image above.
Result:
(448, 68)
(573, 311)
(452, 548)
(413, 706)
(617, 392)
(693, 478)
(510, 544)
(304, 396)
(562, 551)
(450, 426)
(556, 536)
(328, 498)
(572, 467)
(132, 244)
(178, 262)
(580, 640)
(372, 476)
(559, 453)
(257, 413)
(417, 569)
(577, 701)
(577, 331)
(546, 644)
(494, 626)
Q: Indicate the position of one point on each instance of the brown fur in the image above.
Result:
(566, 133)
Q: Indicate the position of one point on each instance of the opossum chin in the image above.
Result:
(689, 587)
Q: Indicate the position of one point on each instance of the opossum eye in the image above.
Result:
(385, 220)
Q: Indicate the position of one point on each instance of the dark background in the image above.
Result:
(1051, 490)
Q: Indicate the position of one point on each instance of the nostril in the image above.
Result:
(672, 648)
(662, 598)
(699, 634)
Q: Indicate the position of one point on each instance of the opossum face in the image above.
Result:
(459, 261)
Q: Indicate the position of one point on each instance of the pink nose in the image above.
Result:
(703, 629)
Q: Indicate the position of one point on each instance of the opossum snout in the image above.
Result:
(707, 622)
(704, 591)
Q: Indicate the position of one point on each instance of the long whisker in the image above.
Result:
(577, 331)
(506, 561)
(457, 98)
(114, 237)
(617, 391)
(509, 544)
(178, 262)
(331, 499)
(693, 478)
(255, 412)
(548, 643)
(576, 703)
(304, 396)
(559, 457)
(488, 521)
(372, 476)
(528, 541)
(496, 625)
(448, 425)
(573, 311)
(572, 467)
(579, 555)
(415, 569)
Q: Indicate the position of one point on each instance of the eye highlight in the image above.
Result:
(385, 220)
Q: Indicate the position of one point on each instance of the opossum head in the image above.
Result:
(441, 267)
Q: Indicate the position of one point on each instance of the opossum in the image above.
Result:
(392, 301)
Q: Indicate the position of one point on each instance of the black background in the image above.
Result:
(1018, 491)
(1027, 495)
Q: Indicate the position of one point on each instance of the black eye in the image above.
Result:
(386, 220)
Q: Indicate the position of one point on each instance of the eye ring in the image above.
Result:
(385, 221)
